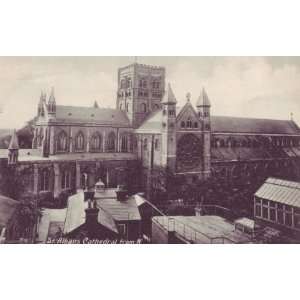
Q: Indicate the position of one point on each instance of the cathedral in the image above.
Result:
(74, 147)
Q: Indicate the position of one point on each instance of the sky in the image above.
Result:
(258, 87)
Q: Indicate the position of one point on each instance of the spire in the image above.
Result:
(169, 97)
(52, 97)
(96, 104)
(188, 97)
(203, 99)
(14, 144)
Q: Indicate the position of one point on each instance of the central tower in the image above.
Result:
(140, 91)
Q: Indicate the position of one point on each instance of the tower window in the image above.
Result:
(123, 83)
(189, 124)
(171, 112)
(155, 84)
(182, 124)
(129, 83)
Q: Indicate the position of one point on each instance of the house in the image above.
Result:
(277, 204)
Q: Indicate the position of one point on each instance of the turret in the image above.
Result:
(203, 105)
(203, 108)
(96, 105)
(13, 149)
(52, 103)
(169, 129)
(42, 102)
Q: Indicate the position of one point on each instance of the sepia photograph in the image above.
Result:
(149, 150)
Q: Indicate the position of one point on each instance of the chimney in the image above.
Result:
(91, 215)
(121, 193)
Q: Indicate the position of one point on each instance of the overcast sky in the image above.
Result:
(263, 87)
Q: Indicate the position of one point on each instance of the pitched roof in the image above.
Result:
(14, 144)
(282, 191)
(77, 114)
(249, 125)
(126, 210)
(153, 123)
(224, 124)
(75, 216)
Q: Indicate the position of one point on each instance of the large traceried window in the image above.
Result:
(111, 142)
(44, 180)
(66, 179)
(62, 143)
(124, 143)
(79, 141)
(96, 142)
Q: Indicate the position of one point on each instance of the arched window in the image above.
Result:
(62, 142)
(127, 107)
(189, 124)
(182, 124)
(123, 83)
(196, 125)
(143, 107)
(96, 142)
(44, 180)
(145, 144)
(79, 141)
(124, 143)
(66, 179)
(129, 83)
(111, 142)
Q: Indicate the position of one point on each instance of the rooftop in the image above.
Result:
(75, 216)
(126, 210)
(281, 191)
(95, 115)
(203, 229)
(225, 124)
(32, 155)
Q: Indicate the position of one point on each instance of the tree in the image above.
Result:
(27, 216)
